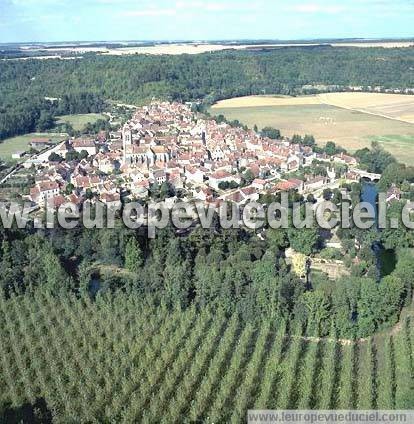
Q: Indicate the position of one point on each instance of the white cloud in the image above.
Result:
(360, 6)
(148, 12)
(113, 3)
(216, 7)
(201, 6)
(26, 3)
(185, 4)
(317, 8)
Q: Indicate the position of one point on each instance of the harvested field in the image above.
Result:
(352, 120)
(394, 106)
(196, 48)
(260, 101)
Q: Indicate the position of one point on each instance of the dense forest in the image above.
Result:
(208, 77)
(21, 115)
(237, 271)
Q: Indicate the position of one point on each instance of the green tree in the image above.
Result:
(330, 148)
(327, 194)
(133, 256)
(310, 198)
(308, 140)
(277, 239)
(84, 277)
(8, 275)
(375, 159)
(248, 177)
(83, 154)
(54, 157)
(394, 173)
(297, 139)
(72, 155)
(88, 194)
(45, 121)
(69, 188)
(56, 278)
(304, 240)
(271, 132)
(368, 307)
(319, 313)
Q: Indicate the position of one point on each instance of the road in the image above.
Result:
(43, 156)
(11, 173)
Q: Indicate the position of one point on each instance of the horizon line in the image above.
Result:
(224, 40)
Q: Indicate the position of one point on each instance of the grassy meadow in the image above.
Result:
(21, 143)
(78, 122)
(351, 128)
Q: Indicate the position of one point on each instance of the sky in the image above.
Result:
(93, 20)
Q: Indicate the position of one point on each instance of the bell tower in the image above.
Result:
(331, 175)
(126, 140)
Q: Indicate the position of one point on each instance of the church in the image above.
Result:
(142, 153)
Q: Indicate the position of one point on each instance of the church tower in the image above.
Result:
(331, 175)
(126, 140)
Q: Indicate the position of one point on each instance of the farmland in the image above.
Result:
(393, 106)
(79, 121)
(352, 120)
(21, 143)
(147, 364)
(194, 48)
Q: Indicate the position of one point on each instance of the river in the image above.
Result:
(386, 258)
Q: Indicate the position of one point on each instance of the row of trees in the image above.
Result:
(148, 363)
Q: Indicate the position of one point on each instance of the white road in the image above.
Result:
(43, 157)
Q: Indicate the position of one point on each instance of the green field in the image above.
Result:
(401, 146)
(117, 359)
(348, 128)
(21, 143)
(78, 122)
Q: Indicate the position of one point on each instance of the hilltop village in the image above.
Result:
(167, 148)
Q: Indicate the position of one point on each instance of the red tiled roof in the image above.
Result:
(56, 201)
(83, 143)
(291, 184)
(221, 175)
(48, 185)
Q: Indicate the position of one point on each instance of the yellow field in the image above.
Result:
(384, 44)
(197, 48)
(393, 106)
(260, 101)
(193, 48)
(352, 120)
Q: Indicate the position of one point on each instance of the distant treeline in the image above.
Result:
(208, 77)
